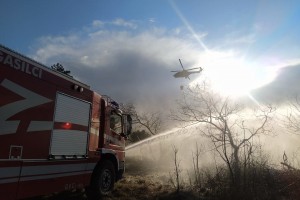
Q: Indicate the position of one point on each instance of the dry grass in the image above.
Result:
(143, 187)
(134, 187)
(143, 181)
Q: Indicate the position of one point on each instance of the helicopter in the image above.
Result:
(185, 73)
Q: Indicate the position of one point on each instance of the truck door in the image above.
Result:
(71, 127)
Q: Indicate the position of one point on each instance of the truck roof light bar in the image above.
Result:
(111, 102)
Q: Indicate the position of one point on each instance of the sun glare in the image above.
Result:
(231, 76)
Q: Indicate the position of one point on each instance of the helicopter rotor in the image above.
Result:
(181, 64)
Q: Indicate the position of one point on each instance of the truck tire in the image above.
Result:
(103, 180)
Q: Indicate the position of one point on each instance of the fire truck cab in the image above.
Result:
(56, 133)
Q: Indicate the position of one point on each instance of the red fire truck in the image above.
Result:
(56, 133)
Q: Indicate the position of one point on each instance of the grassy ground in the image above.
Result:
(139, 182)
(146, 187)
(144, 182)
(134, 187)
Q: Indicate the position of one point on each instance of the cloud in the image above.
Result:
(122, 22)
(133, 64)
(283, 88)
(130, 66)
(117, 22)
(152, 20)
(97, 23)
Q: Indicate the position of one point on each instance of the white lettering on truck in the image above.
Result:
(20, 65)
(30, 100)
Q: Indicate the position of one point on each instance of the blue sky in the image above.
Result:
(242, 45)
(26, 21)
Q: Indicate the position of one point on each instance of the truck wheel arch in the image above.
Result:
(111, 157)
(107, 162)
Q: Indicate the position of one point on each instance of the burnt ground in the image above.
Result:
(144, 182)
(139, 182)
(134, 187)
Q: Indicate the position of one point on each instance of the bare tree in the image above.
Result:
(177, 171)
(292, 118)
(150, 121)
(196, 166)
(224, 123)
(291, 121)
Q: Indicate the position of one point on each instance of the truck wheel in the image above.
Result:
(103, 180)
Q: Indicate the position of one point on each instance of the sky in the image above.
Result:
(126, 49)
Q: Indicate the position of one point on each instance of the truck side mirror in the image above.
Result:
(129, 125)
(127, 128)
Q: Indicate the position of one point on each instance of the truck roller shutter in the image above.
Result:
(71, 125)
